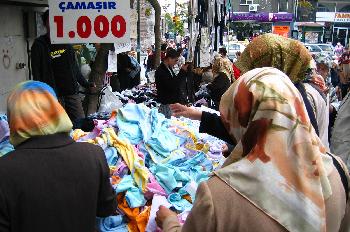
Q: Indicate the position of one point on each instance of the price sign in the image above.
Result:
(90, 21)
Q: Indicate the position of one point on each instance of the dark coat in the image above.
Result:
(168, 86)
(42, 66)
(218, 87)
(51, 183)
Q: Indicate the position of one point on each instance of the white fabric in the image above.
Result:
(340, 142)
(321, 110)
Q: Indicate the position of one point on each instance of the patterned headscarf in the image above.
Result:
(269, 50)
(279, 163)
(33, 110)
(5, 146)
(222, 65)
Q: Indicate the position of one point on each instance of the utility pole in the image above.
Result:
(138, 49)
(175, 7)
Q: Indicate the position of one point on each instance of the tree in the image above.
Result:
(158, 11)
(98, 71)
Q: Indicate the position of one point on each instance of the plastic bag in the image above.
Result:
(109, 101)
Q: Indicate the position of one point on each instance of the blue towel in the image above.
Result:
(111, 224)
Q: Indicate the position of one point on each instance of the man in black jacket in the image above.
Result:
(55, 65)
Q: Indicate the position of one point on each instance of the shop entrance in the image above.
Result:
(341, 34)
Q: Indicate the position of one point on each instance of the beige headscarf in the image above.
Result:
(279, 163)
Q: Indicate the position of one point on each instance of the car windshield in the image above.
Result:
(314, 48)
(326, 48)
(234, 47)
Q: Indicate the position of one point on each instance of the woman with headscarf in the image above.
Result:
(278, 177)
(269, 50)
(340, 141)
(294, 59)
(221, 81)
(50, 183)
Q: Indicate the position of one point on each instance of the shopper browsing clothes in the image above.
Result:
(167, 82)
(50, 183)
(55, 65)
(278, 177)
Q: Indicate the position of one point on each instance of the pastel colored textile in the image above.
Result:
(132, 160)
(5, 145)
(33, 110)
(279, 163)
(154, 188)
(179, 203)
(156, 202)
(169, 177)
(138, 218)
(111, 156)
(134, 195)
(111, 224)
(270, 50)
(137, 123)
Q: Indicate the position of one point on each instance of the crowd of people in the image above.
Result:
(283, 114)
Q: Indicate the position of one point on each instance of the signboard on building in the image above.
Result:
(262, 17)
(342, 17)
(93, 21)
(281, 30)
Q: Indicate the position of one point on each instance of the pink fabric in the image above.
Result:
(153, 187)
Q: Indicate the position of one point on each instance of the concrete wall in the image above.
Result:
(13, 49)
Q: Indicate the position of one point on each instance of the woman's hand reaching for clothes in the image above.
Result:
(162, 214)
(184, 111)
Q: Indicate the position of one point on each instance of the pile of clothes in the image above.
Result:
(145, 94)
(153, 161)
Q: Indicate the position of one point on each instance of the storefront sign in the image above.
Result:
(262, 17)
(342, 17)
(92, 21)
(281, 30)
(282, 17)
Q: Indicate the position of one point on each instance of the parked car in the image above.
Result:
(313, 48)
(233, 48)
(326, 48)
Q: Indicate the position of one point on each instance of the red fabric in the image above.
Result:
(236, 72)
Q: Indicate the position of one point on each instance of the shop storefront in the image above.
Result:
(310, 32)
(337, 26)
(248, 24)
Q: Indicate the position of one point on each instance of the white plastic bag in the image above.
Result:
(109, 101)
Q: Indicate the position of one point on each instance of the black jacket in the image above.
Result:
(51, 183)
(42, 69)
(218, 87)
(188, 87)
(168, 86)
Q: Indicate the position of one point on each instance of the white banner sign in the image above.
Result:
(122, 47)
(342, 17)
(89, 21)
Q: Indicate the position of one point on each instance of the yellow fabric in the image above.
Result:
(279, 163)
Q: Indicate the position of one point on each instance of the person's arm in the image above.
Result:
(212, 125)
(201, 217)
(107, 204)
(4, 217)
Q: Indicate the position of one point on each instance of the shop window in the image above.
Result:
(283, 5)
(345, 9)
(247, 2)
(322, 8)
